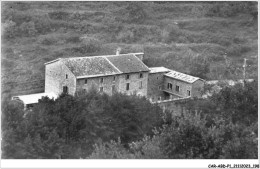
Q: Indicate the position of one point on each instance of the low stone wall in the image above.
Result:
(172, 105)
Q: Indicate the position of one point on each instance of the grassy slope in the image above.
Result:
(194, 34)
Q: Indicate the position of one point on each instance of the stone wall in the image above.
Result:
(108, 82)
(134, 82)
(57, 75)
(119, 82)
(173, 106)
(183, 87)
(155, 86)
(197, 88)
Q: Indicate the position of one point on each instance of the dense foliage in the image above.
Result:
(188, 137)
(225, 128)
(91, 125)
(69, 126)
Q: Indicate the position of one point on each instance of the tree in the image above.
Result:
(187, 137)
(200, 67)
(69, 126)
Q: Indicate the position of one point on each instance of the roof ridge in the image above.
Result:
(112, 64)
(141, 61)
(81, 57)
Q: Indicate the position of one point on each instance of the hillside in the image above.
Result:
(191, 37)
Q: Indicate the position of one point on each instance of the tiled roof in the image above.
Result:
(128, 63)
(83, 67)
(159, 70)
(182, 76)
(90, 66)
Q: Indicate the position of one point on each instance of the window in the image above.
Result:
(140, 75)
(84, 90)
(177, 88)
(86, 81)
(114, 78)
(159, 98)
(113, 88)
(159, 87)
(127, 86)
(169, 86)
(65, 89)
(101, 80)
(188, 92)
(140, 85)
(157, 78)
(66, 76)
(101, 89)
(127, 77)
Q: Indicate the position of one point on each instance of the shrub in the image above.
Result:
(134, 12)
(126, 36)
(238, 50)
(9, 30)
(42, 23)
(229, 9)
(90, 45)
(27, 29)
(59, 15)
(47, 40)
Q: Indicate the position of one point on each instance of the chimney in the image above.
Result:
(118, 51)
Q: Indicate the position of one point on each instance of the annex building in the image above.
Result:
(124, 73)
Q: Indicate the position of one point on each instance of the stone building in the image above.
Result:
(156, 83)
(180, 85)
(124, 73)
(165, 84)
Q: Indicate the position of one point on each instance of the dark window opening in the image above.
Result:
(127, 77)
(177, 88)
(101, 89)
(113, 88)
(86, 81)
(65, 89)
(29, 106)
(159, 87)
(188, 92)
(127, 86)
(141, 85)
(169, 86)
(101, 80)
(67, 76)
(114, 78)
(140, 75)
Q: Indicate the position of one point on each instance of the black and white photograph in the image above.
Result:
(130, 80)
